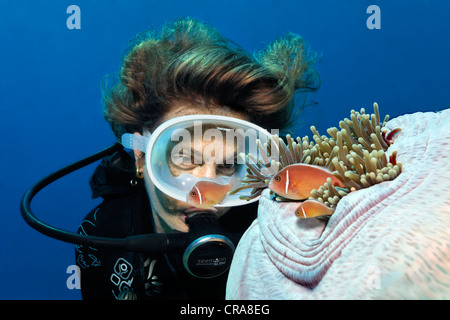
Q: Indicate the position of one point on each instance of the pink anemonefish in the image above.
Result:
(207, 192)
(296, 181)
(313, 208)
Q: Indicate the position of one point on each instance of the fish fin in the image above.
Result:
(323, 218)
(223, 180)
(279, 198)
(235, 181)
(185, 181)
(390, 137)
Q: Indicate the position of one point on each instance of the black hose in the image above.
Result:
(148, 243)
(156, 243)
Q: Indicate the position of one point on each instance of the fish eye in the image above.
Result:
(297, 213)
(193, 193)
(278, 178)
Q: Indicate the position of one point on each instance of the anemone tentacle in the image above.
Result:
(355, 154)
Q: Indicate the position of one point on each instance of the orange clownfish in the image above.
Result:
(313, 208)
(296, 181)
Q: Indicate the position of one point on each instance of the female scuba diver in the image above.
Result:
(186, 69)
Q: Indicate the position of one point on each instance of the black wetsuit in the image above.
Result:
(125, 211)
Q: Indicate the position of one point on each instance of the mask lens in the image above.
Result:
(185, 150)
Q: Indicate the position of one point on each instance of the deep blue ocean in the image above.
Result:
(50, 98)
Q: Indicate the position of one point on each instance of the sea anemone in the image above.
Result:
(389, 241)
(355, 154)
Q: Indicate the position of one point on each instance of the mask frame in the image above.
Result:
(154, 147)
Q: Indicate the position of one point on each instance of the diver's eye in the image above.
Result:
(226, 169)
(277, 178)
(183, 162)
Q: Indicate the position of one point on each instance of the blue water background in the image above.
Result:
(50, 93)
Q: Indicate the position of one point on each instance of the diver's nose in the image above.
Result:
(207, 171)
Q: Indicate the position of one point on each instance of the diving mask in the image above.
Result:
(177, 149)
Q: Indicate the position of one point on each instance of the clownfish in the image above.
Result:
(207, 192)
(296, 181)
(312, 208)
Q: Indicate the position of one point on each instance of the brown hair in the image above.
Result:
(190, 61)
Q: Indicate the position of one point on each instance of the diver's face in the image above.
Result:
(202, 156)
(208, 159)
(170, 214)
